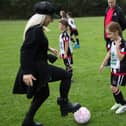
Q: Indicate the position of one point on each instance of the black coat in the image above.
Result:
(33, 60)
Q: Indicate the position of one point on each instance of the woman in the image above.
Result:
(117, 54)
(35, 72)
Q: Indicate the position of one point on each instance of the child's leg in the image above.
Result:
(71, 37)
(118, 96)
(115, 82)
(76, 36)
(121, 103)
(77, 40)
(67, 63)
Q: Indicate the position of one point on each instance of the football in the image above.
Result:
(82, 115)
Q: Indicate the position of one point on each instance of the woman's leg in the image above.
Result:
(55, 74)
(38, 99)
(59, 74)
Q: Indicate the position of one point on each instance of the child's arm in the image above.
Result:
(120, 55)
(66, 49)
(104, 61)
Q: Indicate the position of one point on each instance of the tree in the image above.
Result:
(14, 9)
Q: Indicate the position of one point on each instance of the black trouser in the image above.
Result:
(55, 74)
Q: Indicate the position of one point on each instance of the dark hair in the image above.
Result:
(114, 26)
(69, 13)
(64, 22)
(63, 13)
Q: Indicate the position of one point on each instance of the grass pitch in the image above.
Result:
(90, 88)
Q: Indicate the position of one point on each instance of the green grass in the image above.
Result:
(90, 88)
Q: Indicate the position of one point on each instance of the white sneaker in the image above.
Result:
(115, 106)
(121, 109)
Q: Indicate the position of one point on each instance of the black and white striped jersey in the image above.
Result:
(63, 38)
(116, 63)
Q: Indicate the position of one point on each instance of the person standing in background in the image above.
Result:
(63, 15)
(73, 30)
(113, 13)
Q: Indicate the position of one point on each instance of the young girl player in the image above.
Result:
(65, 45)
(117, 54)
(73, 30)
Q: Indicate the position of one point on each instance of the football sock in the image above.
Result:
(77, 40)
(119, 97)
(72, 40)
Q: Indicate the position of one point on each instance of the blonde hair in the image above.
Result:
(34, 20)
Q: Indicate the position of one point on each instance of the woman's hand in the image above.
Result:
(28, 79)
(54, 51)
